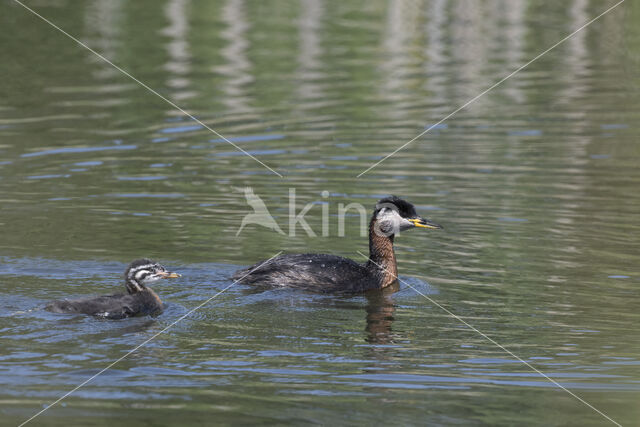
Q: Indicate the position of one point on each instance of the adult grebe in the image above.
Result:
(329, 273)
(139, 300)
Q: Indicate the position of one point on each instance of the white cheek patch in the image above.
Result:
(134, 271)
(389, 216)
(391, 222)
(141, 273)
(388, 221)
(144, 274)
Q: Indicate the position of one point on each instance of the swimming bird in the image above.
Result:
(138, 301)
(330, 273)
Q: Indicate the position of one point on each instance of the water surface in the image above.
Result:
(536, 184)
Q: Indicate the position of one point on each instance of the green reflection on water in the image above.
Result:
(535, 183)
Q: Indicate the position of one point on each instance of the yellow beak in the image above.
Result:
(424, 223)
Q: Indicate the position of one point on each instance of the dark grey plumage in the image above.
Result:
(117, 306)
(139, 301)
(315, 272)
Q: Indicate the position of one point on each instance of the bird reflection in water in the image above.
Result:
(380, 309)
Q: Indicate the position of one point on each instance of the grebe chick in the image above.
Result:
(330, 273)
(138, 301)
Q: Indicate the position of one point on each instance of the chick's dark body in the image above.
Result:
(117, 306)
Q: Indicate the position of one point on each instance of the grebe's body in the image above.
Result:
(314, 272)
(138, 301)
(331, 273)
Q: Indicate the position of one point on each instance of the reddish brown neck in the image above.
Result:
(382, 256)
(154, 295)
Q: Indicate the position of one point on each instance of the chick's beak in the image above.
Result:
(168, 275)
(425, 223)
